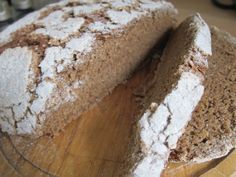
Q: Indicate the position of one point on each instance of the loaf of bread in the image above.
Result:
(176, 89)
(57, 62)
(212, 131)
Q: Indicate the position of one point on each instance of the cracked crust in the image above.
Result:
(212, 131)
(174, 92)
(77, 53)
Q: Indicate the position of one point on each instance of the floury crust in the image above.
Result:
(68, 56)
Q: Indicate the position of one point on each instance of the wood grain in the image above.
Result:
(95, 144)
(92, 146)
(226, 168)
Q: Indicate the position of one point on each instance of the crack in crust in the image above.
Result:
(54, 28)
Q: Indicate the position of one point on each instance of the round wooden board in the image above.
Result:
(95, 144)
(92, 146)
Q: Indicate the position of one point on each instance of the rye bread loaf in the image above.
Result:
(175, 90)
(212, 131)
(57, 62)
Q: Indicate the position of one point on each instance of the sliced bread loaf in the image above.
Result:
(59, 61)
(212, 131)
(175, 91)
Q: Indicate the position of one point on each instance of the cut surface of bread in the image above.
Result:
(59, 61)
(175, 91)
(212, 131)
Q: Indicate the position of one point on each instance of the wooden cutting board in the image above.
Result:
(92, 146)
(95, 144)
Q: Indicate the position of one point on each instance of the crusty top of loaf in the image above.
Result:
(60, 20)
(163, 123)
(37, 49)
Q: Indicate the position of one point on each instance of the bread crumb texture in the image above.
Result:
(212, 131)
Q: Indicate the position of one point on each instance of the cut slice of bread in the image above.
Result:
(212, 131)
(175, 91)
(59, 61)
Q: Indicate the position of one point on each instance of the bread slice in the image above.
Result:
(212, 131)
(175, 91)
(58, 62)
